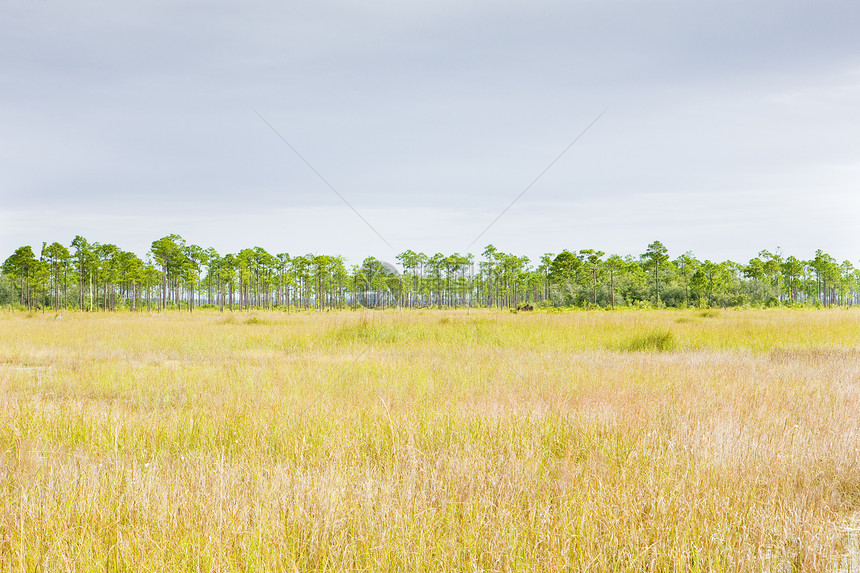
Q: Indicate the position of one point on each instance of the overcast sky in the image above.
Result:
(729, 126)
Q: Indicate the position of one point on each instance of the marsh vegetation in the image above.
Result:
(429, 440)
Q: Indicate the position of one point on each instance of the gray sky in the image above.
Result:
(730, 126)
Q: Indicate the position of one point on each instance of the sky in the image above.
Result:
(369, 128)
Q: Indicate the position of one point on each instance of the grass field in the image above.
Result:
(430, 441)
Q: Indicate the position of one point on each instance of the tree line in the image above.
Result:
(94, 276)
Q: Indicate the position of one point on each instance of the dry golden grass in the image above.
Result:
(430, 441)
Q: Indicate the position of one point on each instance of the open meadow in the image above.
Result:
(430, 441)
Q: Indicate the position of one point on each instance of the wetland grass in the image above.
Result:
(430, 441)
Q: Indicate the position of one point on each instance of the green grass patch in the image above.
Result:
(658, 340)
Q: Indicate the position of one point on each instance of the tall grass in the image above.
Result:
(629, 441)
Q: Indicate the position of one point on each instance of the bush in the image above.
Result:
(8, 296)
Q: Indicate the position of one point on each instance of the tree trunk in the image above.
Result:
(612, 289)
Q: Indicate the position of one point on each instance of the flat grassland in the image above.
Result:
(430, 441)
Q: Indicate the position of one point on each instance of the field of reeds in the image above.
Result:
(430, 441)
